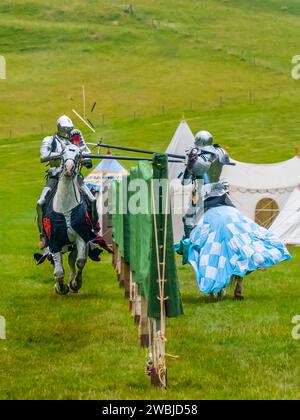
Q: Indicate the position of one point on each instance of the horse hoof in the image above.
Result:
(73, 290)
(222, 294)
(240, 298)
(214, 297)
(61, 290)
(76, 283)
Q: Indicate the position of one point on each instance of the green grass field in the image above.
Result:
(143, 70)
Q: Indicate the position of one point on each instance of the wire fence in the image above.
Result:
(163, 112)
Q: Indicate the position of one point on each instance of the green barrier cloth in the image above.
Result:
(172, 290)
(117, 203)
(113, 197)
(126, 218)
(134, 234)
(141, 228)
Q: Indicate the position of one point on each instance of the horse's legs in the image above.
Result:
(222, 294)
(72, 260)
(80, 263)
(60, 287)
(238, 291)
(215, 297)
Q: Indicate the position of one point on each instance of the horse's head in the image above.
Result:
(71, 160)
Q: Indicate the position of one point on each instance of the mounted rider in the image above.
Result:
(50, 151)
(204, 163)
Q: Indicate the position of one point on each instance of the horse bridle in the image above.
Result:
(76, 162)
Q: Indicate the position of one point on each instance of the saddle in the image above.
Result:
(55, 225)
(55, 229)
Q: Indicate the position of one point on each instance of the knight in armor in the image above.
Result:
(50, 152)
(220, 243)
(204, 163)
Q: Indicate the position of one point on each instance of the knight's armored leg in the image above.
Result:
(195, 210)
(93, 206)
(39, 207)
(50, 185)
(39, 211)
(188, 226)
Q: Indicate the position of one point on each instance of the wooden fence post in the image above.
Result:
(126, 278)
(118, 267)
(131, 294)
(143, 327)
(138, 308)
(114, 255)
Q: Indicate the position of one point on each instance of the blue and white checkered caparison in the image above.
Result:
(226, 243)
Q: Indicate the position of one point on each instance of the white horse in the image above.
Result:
(67, 198)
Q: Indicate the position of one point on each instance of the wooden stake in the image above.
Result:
(114, 255)
(131, 293)
(84, 103)
(143, 328)
(83, 120)
(122, 272)
(138, 309)
(126, 278)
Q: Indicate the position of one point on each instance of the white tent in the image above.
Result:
(100, 180)
(106, 170)
(287, 224)
(261, 191)
(182, 140)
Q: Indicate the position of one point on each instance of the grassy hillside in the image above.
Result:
(143, 70)
(172, 54)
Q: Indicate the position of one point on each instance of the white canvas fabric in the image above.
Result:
(287, 225)
(250, 183)
(182, 141)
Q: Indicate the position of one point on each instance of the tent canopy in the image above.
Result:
(260, 191)
(182, 140)
(107, 169)
(252, 176)
(287, 224)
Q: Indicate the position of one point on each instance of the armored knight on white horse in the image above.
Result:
(67, 217)
(51, 150)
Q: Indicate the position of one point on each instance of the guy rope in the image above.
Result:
(159, 337)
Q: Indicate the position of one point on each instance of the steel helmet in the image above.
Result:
(64, 127)
(203, 138)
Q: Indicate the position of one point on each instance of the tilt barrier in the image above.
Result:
(144, 259)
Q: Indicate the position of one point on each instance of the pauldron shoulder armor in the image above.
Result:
(206, 160)
(222, 155)
(49, 150)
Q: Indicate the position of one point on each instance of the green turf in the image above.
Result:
(183, 56)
